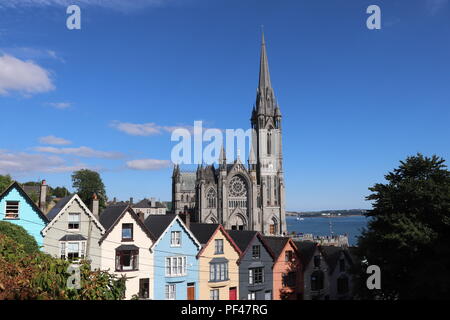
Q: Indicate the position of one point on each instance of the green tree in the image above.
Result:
(19, 235)
(39, 276)
(408, 233)
(5, 181)
(60, 192)
(86, 183)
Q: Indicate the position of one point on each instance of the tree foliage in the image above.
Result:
(60, 192)
(408, 233)
(19, 235)
(5, 181)
(26, 276)
(86, 183)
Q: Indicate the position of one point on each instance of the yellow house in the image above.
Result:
(218, 269)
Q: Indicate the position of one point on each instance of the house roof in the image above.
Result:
(306, 250)
(73, 237)
(203, 231)
(54, 214)
(112, 214)
(157, 224)
(146, 203)
(58, 207)
(277, 244)
(17, 186)
(243, 238)
(332, 254)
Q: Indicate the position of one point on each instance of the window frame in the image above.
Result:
(64, 250)
(214, 294)
(173, 238)
(256, 254)
(73, 223)
(132, 231)
(171, 294)
(174, 268)
(219, 272)
(12, 215)
(254, 273)
(134, 260)
(217, 246)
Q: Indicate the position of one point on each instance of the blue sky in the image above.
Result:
(354, 101)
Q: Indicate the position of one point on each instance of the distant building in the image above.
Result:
(149, 207)
(236, 195)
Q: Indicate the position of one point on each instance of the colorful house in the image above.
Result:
(218, 268)
(255, 265)
(73, 232)
(18, 208)
(175, 258)
(287, 269)
(125, 248)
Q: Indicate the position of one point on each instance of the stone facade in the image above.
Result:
(239, 196)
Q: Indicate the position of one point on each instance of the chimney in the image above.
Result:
(152, 202)
(114, 200)
(95, 206)
(131, 201)
(43, 196)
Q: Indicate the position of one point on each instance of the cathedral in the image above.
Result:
(239, 196)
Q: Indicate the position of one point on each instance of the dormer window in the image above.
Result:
(74, 221)
(12, 210)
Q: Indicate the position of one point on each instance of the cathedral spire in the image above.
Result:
(264, 74)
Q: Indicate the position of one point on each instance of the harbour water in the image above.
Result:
(320, 226)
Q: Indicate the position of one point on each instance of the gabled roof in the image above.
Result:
(62, 205)
(158, 224)
(332, 254)
(112, 214)
(201, 230)
(277, 244)
(243, 239)
(306, 250)
(16, 185)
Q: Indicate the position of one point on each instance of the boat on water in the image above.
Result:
(300, 219)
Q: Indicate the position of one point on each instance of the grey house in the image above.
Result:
(73, 232)
(326, 273)
(255, 265)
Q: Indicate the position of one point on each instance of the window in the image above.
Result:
(288, 256)
(256, 276)
(214, 294)
(127, 232)
(317, 280)
(12, 210)
(171, 290)
(175, 239)
(218, 271)
(268, 295)
(342, 285)
(73, 250)
(256, 252)
(211, 198)
(289, 279)
(219, 246)
(317, 261)
(175, 266)
(144, 288)
(127, 260)
(342, 265)
(74, 221)
(251, 296)
(272, 229)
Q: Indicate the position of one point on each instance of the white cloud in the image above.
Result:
(148, 164)
(25, 53)
(23, 76)
(54, 140)
(59, 105)
(123, 5)
(435, 6)
(84, 152)
(21, 162)
(145, 129)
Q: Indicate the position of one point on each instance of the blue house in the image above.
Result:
(18, 208)
(174, 252)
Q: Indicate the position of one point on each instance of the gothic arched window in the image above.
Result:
(211, 198)
(238, 193)
(269, 142)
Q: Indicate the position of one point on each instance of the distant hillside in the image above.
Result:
(350, 212)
